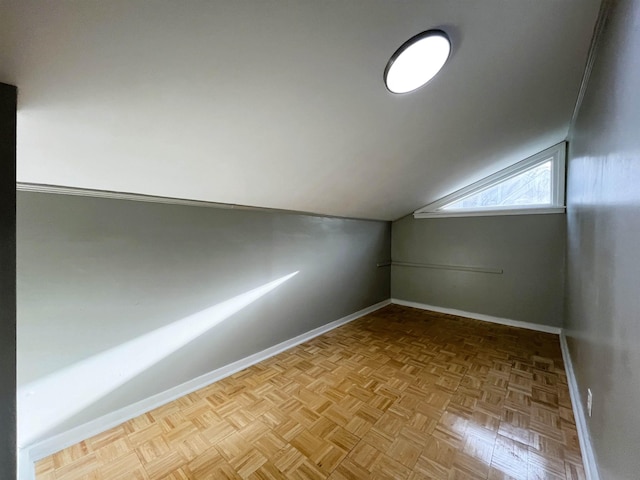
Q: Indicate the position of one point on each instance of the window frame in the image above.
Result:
(556, 154)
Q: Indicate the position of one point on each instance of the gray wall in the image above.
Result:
(8, 96)
(528, 248)
(603, 278)
(94, 273)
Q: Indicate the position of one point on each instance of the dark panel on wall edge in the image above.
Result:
(8, 103)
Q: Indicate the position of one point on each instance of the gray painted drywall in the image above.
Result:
(603, 253)
(528, 248)
(94, 273)
(8, 96)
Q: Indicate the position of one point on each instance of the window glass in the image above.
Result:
(531, 187)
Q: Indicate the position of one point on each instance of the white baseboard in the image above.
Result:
(26, 468)
(479, 316)
(586, 447)
(29, 455)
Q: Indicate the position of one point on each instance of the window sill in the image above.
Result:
(491, 212)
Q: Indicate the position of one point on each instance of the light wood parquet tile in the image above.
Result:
(397, 394)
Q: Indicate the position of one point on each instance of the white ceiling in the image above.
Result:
(281, 103)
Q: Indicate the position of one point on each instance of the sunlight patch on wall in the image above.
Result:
(48, 401)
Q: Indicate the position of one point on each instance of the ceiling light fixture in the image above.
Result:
(417, 61)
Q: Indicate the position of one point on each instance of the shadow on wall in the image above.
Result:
(47, 402)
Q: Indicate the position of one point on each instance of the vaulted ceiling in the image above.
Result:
(281, 103)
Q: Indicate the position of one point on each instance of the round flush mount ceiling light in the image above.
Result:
(417, 61)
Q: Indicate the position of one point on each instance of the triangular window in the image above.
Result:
(535, 185)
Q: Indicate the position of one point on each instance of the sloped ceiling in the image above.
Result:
(281, 104)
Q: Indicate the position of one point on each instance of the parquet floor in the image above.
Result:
(398, 394)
